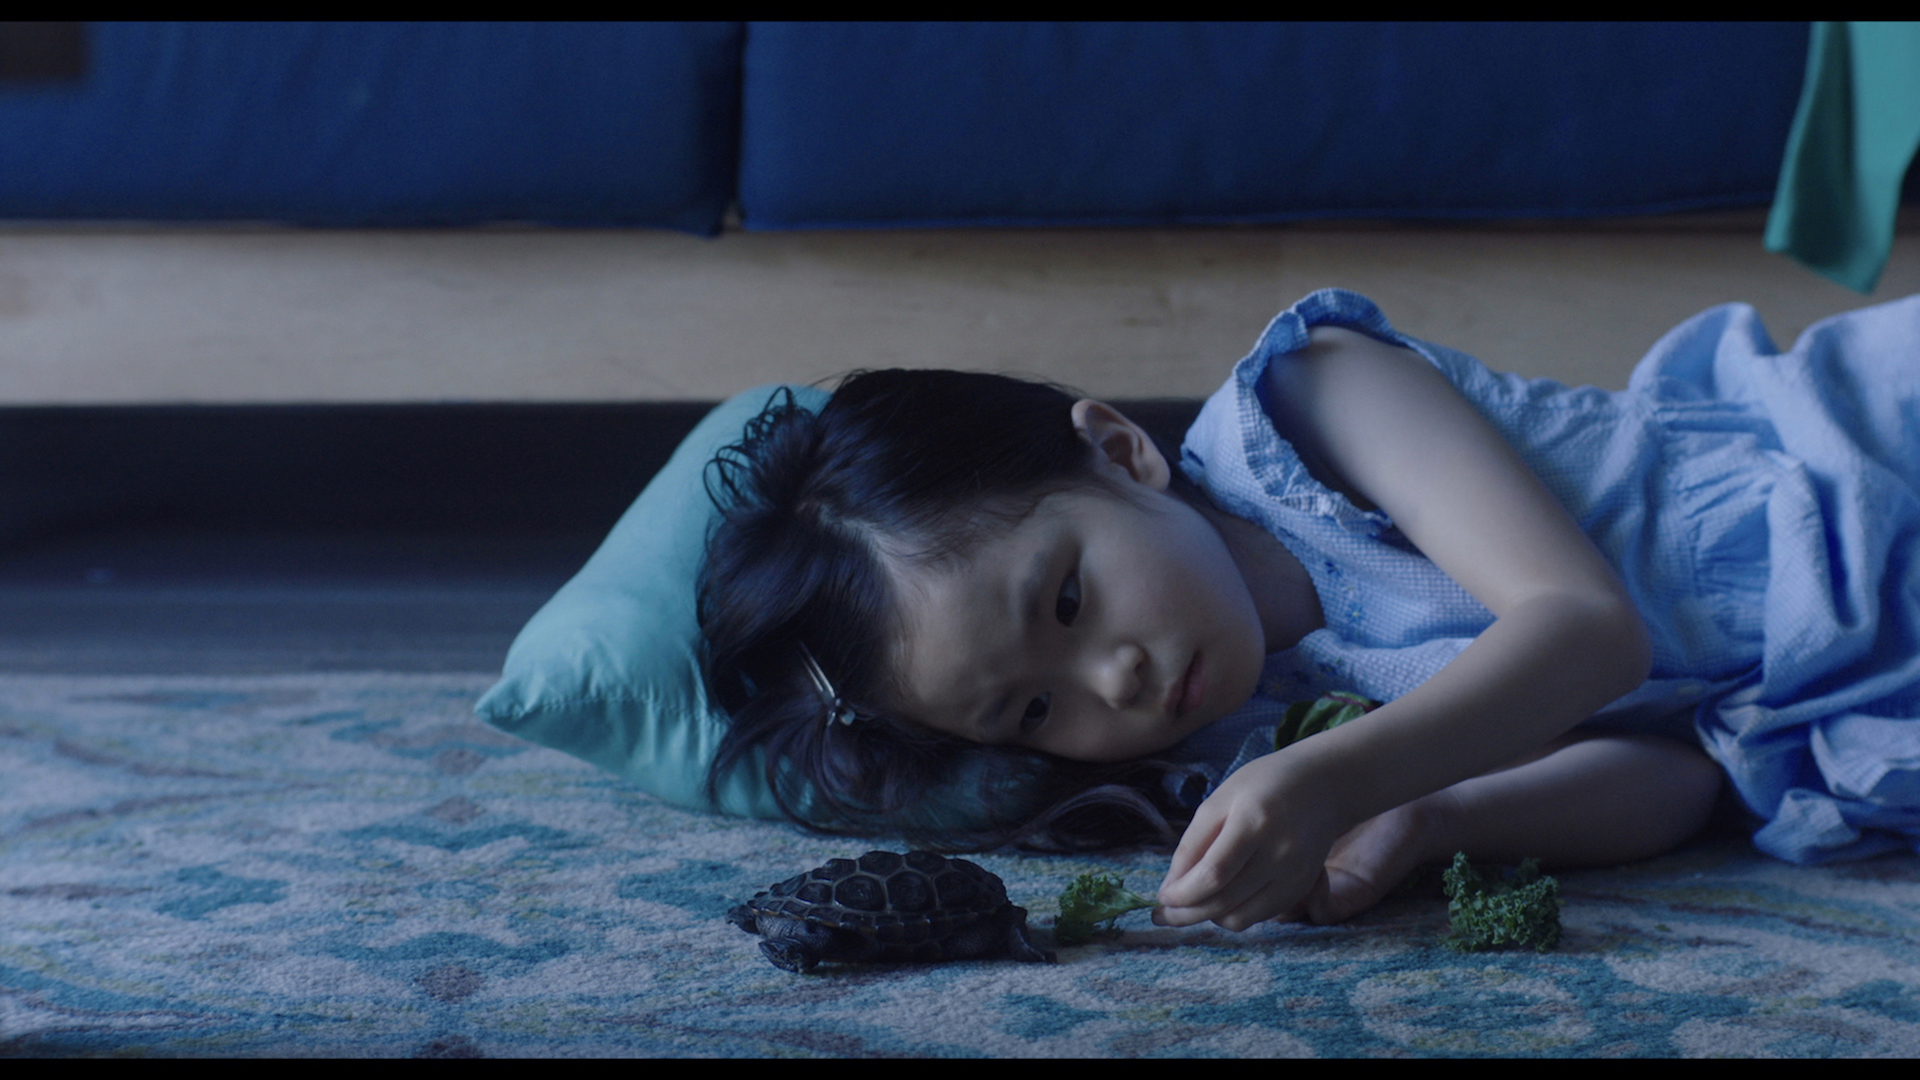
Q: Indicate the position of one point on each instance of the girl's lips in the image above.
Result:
(1185, 696)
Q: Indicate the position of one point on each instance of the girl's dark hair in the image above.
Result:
(926, 461)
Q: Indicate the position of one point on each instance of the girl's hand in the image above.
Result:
(1256, 849)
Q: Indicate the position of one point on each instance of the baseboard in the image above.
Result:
(469, 468)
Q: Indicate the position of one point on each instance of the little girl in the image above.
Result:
(961, 594)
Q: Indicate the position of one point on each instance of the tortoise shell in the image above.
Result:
(885, 906)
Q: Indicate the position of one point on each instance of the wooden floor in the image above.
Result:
(106, 315)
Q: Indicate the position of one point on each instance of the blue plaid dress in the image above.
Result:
(1762, 507)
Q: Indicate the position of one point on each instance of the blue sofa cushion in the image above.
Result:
(892, 125)
(383, 124)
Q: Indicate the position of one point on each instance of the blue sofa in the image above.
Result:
(848, 125)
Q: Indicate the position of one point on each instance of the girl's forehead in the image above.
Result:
(996, 539)
(965, 535)
(958, 620)
(970, 577)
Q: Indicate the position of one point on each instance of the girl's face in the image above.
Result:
(1104, 626)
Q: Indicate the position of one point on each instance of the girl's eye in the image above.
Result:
(1036, 714)
(1067, 607)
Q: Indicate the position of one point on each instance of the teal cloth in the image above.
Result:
(609, 669)
(1853, 137)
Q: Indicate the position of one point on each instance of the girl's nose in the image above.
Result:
(1118, 676)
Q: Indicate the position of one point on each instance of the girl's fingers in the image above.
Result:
(1318, 900)
(1193, 843)
(1201, 846)
(1240, 849)
(1276, 899)
(1210, 889)
(1260, 889)
(1210, 877)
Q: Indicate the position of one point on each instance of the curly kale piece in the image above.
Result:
(1522, 911)
(1329, 711)
(1093, 899)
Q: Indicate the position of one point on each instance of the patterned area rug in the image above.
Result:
(330, 865)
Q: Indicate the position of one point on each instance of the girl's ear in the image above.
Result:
(1120, 442)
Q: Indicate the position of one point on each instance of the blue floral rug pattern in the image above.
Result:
(351, 865)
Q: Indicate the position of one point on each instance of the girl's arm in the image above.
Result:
(1379, 424)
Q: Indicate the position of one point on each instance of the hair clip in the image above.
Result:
(837, 709)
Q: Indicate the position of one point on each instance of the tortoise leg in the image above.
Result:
(793, 945)
(1020, 945)
(790, 956)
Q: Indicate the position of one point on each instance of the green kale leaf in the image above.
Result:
(1521, 911)
(1093, 899)
(1329, 711)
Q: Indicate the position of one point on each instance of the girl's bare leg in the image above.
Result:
(1595, 801)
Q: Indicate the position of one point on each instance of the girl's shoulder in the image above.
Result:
(1236, 452)
(1236, 434)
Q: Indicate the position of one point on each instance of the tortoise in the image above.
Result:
(885, 906)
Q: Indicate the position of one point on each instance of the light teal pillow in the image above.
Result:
(609, 669)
